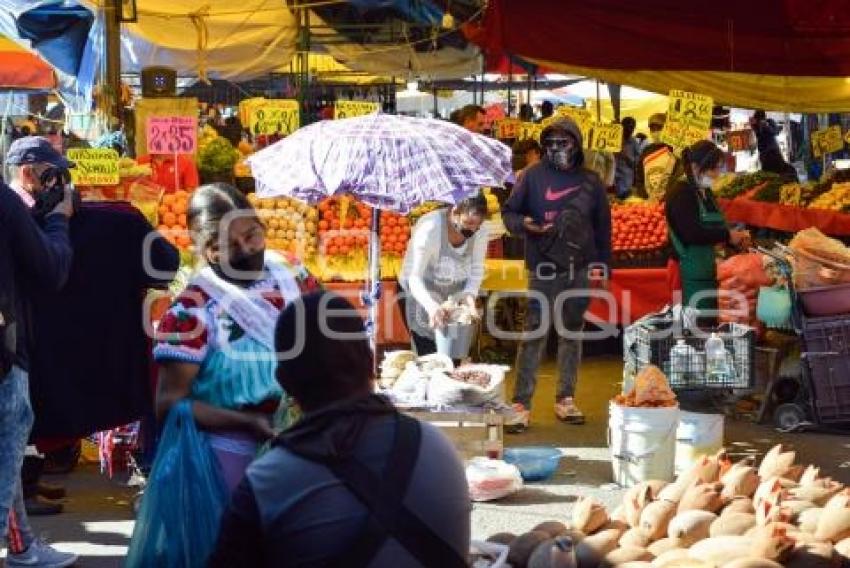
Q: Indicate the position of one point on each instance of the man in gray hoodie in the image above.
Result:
(562, 210)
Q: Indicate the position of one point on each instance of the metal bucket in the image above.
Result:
(454, 340)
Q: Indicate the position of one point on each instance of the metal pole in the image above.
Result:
(598, 103)
(436, 102)
(112, 48)
(510, 81)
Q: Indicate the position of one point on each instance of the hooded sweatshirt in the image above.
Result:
(543, 192)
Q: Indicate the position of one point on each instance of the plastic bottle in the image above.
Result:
(716, 360)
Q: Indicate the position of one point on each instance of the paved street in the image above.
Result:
(98, 522)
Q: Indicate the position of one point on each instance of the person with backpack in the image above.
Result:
(354, 482)
(562, 210)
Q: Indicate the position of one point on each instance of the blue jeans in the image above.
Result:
(16, 420)
(571, 315)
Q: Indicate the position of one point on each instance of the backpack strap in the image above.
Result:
(388, 516)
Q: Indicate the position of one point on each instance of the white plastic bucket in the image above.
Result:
(642, 442)
(698, 435)
(455, 340)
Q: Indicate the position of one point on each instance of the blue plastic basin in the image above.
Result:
(535, 463)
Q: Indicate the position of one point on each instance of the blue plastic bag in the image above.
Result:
(181, 509)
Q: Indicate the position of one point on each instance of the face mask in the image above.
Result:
(243, 269)
(705, 181)
(561, 155)
(467, 233)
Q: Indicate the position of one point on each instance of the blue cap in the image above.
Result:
(35, 150)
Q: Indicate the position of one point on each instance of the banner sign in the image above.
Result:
(94, 166)
(274, 116)
(350, 109)
(172, 135)
(827, 141)
(688, 119)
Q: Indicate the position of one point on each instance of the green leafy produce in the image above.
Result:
(770, 191)
(217, 156)
(746, 182)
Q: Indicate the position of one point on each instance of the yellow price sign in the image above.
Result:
(94, 166)
(350, 109)
(605, 138)
(529, 131)
(827, 141)
(507, 128)
(274, 116)
(688, 118)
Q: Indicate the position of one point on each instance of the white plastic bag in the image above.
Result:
(489, 554)
(490, 479)
(444, 390)
(474, 395)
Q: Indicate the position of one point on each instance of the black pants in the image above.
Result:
(423, 345)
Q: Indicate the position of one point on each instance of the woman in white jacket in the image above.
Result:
(445, 260)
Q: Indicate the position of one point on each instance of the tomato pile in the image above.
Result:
(344, 228)
(638, 227)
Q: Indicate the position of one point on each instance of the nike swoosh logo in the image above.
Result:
(556, 195)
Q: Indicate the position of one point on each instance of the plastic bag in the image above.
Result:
(650, 390)
(444, 390)
(181, 509)
(475, 395)
(145, 195)
(490, 479)
(747, 270)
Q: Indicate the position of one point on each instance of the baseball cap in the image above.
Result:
(35, 150)
(658, 119)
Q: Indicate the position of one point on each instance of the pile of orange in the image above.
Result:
(395, 233)
(172, 219)
(344, 226)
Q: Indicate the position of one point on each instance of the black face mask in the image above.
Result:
(52, 192)
(467, 233)
(243, 270)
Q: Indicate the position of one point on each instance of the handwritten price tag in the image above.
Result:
(507, 128)
(350, 109)
(827, 141)
(529, 131)
(605, 138)
(172, 135)
(94, 166)
(688, 118)
(275, 116)
(739, 140)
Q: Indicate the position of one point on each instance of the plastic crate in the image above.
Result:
(649, 343)
(830, 379)
(827, 335)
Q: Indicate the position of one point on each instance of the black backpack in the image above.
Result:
(570, 246)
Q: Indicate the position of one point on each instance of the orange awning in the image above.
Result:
(22, 69)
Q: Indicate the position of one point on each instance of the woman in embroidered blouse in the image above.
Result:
(215, 344)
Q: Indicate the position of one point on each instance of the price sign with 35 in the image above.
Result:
(172, 135)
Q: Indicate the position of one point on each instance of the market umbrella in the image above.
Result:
(389, 162)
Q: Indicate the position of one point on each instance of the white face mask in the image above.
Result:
(705, 181)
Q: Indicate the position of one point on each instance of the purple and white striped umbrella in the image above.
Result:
(390, 162)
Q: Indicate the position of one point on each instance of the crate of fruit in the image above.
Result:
(639, 235)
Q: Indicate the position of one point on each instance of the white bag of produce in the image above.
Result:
(435, 362)
(411, 388)
(490, 479)
(483, 383)
(444, 390)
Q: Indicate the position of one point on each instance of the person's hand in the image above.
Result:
(470, 302)
(535, 229)
(740, 239)
(260, 426)
(440, 317)
(66, 206)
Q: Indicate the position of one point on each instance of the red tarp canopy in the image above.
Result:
(22, 69)
(772, 37)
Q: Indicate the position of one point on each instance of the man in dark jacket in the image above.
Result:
(354, 482)
(563, 211)
(29, 257)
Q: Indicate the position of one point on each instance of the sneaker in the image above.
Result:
(518, 419)
(41, 555)
(567, 411)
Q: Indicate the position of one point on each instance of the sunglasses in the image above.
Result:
(557, 143)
